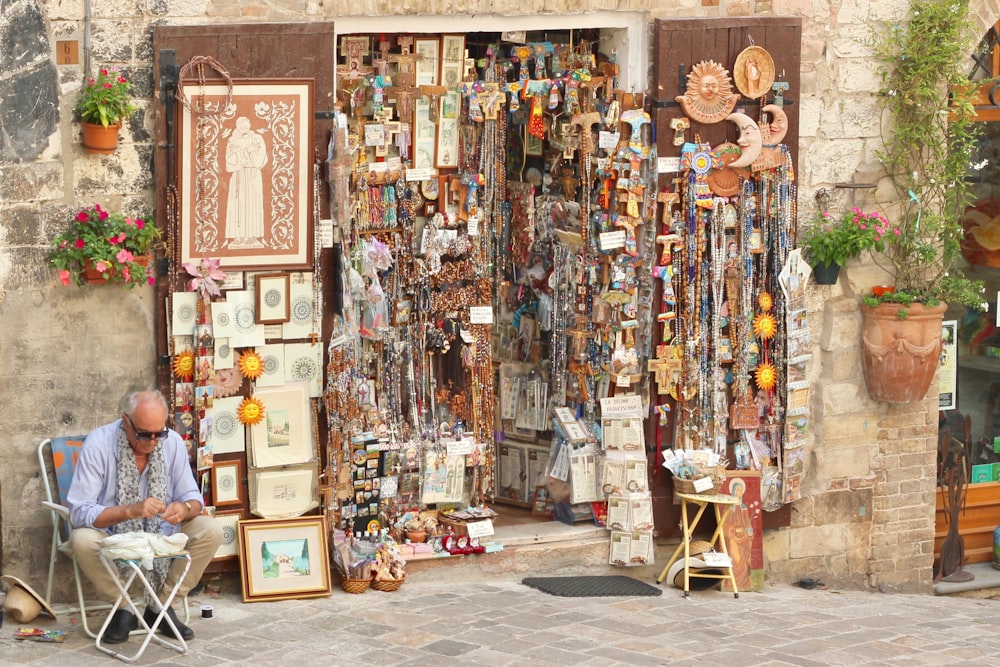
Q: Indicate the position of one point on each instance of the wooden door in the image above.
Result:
(253, 51)
(678, 45)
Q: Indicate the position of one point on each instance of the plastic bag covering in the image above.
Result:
(143, 546)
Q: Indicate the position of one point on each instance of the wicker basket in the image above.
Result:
(387, 585)
(687, 485)
(355, 585)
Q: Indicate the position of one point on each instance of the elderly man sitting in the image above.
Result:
(133, 475)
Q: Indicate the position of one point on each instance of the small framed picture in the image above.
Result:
(429, 50)
(230, 521)
(452, 60)
(272, 298)
(446, 151)
(227, 483)
(401, 313)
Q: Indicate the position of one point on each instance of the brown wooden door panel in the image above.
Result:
(270, 51)
(679, 44)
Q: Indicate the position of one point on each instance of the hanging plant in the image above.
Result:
(932, 133)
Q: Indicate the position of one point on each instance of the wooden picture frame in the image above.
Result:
(452, 60)
(446, 146)
(230, 545)
(246, 173)
(273, 306)
(227, 483)
(284, 559)
(429, 49)
(424, 135)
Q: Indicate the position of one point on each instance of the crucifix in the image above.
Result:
(434, 93)
(666, 372)
(406, 61)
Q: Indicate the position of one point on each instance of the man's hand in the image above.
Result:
(145, 509)
(175, 513)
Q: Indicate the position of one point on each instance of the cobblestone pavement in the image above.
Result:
(502, 622)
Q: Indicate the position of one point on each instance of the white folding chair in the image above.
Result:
(58, 456)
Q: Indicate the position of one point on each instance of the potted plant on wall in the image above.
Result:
(927, 96)
(831, 241)
(106, 102)
(102, 247)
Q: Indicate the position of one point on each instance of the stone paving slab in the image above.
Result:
(502, 622)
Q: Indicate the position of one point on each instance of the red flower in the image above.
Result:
(104, 71)
(80, 243)
(81, 216)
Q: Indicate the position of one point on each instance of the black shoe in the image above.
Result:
(150, 616)
(122, 623)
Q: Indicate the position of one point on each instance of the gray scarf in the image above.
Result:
(128, 493)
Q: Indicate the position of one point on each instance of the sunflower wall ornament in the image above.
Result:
(766, 376)
(251, 411)
(764, 326)
(183, 365)
(251, 365)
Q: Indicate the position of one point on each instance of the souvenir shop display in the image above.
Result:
(512, 299)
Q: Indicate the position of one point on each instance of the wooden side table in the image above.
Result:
(718, 501)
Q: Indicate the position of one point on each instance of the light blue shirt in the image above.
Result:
(95, 479)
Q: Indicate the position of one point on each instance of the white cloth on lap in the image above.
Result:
(143, 546)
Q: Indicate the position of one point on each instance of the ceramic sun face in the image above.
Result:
(709, 95)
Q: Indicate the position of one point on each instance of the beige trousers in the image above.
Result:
(204, 537)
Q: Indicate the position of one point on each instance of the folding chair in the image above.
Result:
(61, 454)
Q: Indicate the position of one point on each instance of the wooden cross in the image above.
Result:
(491, 100)
(434, 93)
(586, 121)
(668, 199)
(403, 96)
(666, 370)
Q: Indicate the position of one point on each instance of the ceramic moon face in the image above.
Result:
(778, 124)
(750, 141)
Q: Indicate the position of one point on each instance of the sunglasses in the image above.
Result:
(147, 435)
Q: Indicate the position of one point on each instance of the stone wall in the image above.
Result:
(67, 354)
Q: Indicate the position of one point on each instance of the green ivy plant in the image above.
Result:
(929, 99)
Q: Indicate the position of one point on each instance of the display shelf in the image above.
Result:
(979, 363)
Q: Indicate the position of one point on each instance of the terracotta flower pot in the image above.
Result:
(416, 535)
(92, 276)
(900, 356)
(100, 139)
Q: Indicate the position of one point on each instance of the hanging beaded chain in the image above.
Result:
(560, 317)
(719, 416)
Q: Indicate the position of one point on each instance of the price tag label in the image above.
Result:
(623, 380)
(423, 174)
(612, 240)
(482, 528)
(461, 447)
(703, 484)
(666, 165)
(324, 233)
(378, 167)
(472, 226)
(481, 314)
(608, 140)
(374, 135)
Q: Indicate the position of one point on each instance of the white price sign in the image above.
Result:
(482, 528)
(481, 314)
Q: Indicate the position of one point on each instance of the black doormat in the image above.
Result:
(585, 587)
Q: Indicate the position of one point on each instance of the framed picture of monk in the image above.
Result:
(245, 173)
